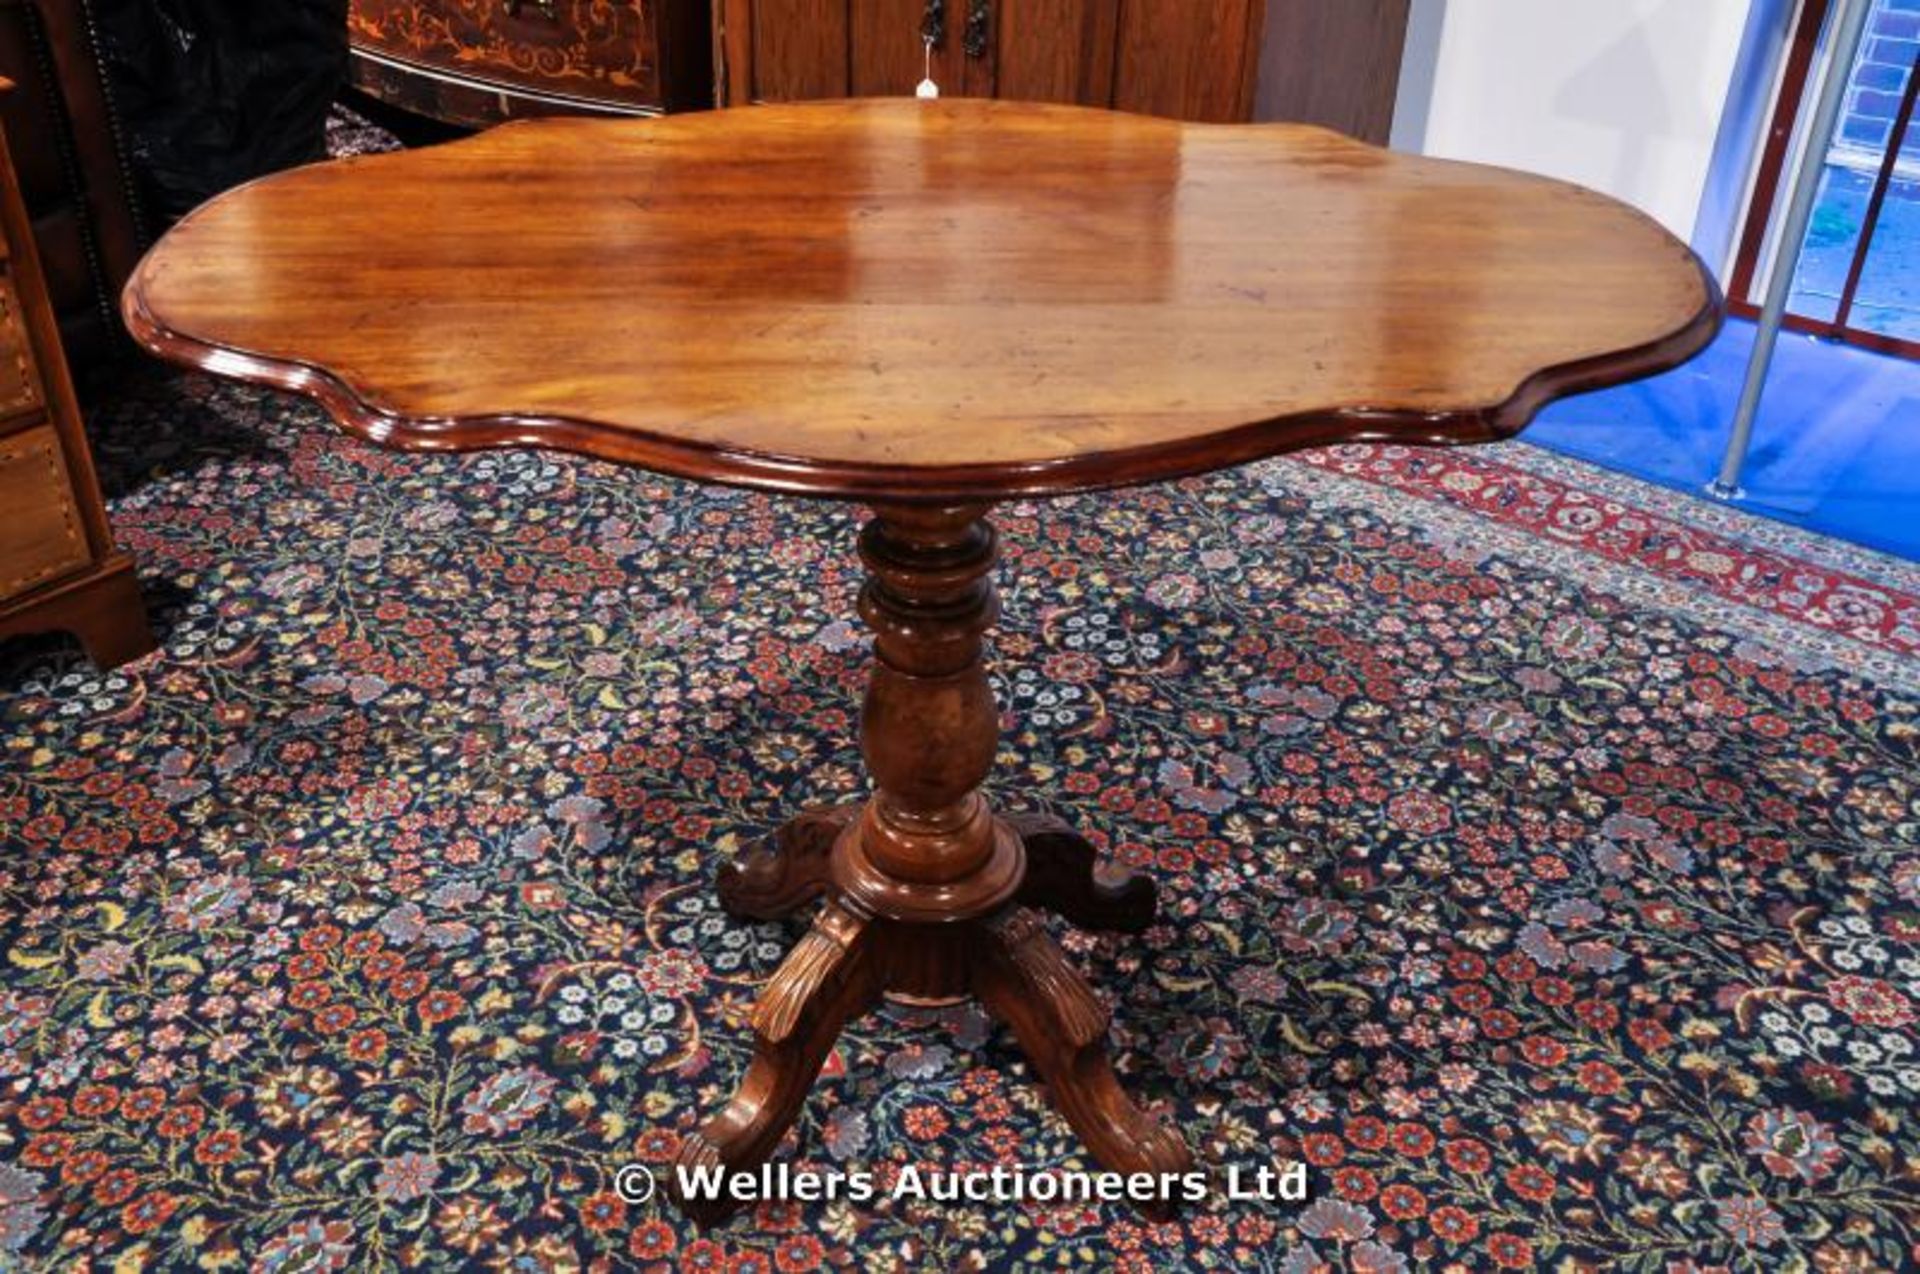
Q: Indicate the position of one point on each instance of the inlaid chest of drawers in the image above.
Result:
(477, 62)
(59, 567)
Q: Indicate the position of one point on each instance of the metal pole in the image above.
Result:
(1850, 23)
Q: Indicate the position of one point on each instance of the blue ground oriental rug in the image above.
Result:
(1540, 860)
(1557, 910)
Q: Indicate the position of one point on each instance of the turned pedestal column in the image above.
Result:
(928, 891)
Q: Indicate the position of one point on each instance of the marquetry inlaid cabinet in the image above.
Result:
(476, 62)
(59, 569)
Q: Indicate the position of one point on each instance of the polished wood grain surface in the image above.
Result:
(950, 300)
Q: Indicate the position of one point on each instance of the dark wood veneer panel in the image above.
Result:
(1334, 63)
(1193, 61)
(1058, 50)
(800, 49)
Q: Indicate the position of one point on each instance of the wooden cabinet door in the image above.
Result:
(1181, 58)
(1185, 59)
(889, 55)
(1055, 50)
(801, 50)
(885, 57)
(782, 50)
(1333, 62)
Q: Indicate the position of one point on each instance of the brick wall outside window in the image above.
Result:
(1873, 97)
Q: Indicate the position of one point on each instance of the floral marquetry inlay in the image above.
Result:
(605, 48)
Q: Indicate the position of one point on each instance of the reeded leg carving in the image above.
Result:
(787, 871)
(1065, 876)
(827, 980)
(1025, 980)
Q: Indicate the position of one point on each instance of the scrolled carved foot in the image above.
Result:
(1065, 876)
(831, 977)
(697, 1160)
(781, 875)
(1026, 981)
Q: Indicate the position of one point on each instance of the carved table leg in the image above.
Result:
(783, 874)
(830, 978)
(924, 882)
(1024, 979)
(1064, 876)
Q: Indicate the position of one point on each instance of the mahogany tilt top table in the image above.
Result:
(928, 307)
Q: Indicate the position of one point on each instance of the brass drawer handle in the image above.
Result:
(549, 9)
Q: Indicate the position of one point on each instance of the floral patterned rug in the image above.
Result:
(1539, 856)
(1541, 866)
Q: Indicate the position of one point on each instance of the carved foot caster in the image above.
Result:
(777, 878)
(827, 980)
(846, 961)
(1026, 981)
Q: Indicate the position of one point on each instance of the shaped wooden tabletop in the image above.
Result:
(944, 300)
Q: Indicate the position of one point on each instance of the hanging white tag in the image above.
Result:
(927, 88)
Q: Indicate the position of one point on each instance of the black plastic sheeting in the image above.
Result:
(213, 93)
